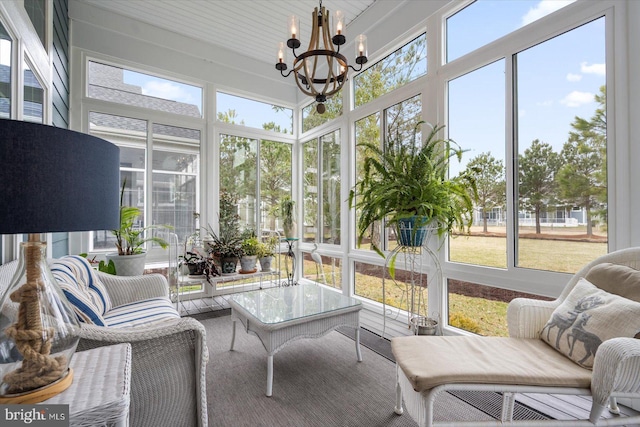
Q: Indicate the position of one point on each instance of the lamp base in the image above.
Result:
(41, 394)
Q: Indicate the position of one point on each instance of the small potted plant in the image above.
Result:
(130, 240)
(266, 252)
(194, 262)
(250, 249)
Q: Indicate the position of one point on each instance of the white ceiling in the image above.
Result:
(250, 27)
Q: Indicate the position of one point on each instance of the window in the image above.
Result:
(255, 114)
(275, 180)
(400, 124)
(562, 185)
(476, 123)
(175, 177)
(239, 159)
(367, 129)
(497, 18)
(131, 136)
(481, 309)
(36, 9)
(311, 118)
(401, 67)
(33, 97)
(5, 73)
(238, 167)
(116, 84)
(322, 205)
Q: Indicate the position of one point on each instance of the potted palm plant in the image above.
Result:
(407, 185)
(130, 240)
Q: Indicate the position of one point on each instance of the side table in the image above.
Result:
(99, 395)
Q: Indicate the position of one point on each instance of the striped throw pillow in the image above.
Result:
(82, 303)
(88, 280)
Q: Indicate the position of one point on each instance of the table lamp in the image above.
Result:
(52, 180)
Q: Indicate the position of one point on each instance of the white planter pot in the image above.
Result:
(265, 263)
(248, 263)
(128, 265)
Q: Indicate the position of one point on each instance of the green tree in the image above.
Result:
(582, 180)
(537, 168)
(490, 181)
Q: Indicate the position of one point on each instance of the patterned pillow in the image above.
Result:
(89, 281)
(82, 303)
(588, 317)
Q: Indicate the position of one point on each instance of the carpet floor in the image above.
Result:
(317, 383)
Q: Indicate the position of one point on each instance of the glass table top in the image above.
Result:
(286, 303)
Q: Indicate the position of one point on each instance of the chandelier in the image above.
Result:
(321, 71)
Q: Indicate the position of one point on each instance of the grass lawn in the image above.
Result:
(477, 314)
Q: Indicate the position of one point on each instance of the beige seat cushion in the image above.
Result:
(429, 361)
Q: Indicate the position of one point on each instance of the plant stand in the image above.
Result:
(411, 259)
(292, 256)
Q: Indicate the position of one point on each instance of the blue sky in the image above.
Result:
(556, 80)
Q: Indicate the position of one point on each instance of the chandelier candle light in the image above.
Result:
(320, 55)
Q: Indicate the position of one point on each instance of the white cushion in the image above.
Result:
(588, 317)
(141, 313)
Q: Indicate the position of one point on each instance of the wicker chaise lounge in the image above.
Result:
(551, 349)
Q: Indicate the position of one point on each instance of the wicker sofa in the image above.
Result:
(551, 348)
(169, 353)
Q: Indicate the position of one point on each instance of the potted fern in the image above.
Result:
(407, 184)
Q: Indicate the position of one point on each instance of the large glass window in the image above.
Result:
(561, 138)
(322, 205)
(238, 168)
(496, 18)
(401, 67)
(5, 73)
(255, 114)
(117, 84)
(275, 180)
(477, 124)
(238, 171)
(175, 177)
(131, 136)
(367, 131)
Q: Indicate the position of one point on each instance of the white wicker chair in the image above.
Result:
(168, 383)
(616, 370)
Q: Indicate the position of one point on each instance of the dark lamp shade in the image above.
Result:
(56, 180)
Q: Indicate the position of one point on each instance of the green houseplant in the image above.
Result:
(250, 250)
(130, 240)
(287, 214)
(405, 181)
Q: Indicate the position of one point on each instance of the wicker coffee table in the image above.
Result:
(278, 316)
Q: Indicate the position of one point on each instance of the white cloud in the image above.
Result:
(599, 69)
(577, 98)
(165, 90)
(543, 8)
(574, 77)
(522, 113)
(547, 103)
